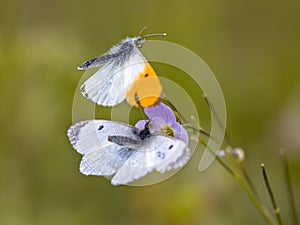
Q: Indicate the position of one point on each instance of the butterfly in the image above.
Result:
(124, 73)
(124, 152)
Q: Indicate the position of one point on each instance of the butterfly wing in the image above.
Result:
(87, 135)
(95, 62)
(108, 86)
(114, 53)
(146, 88)
(101, 157)
(104, 160)
(159, 153)
(124, 72)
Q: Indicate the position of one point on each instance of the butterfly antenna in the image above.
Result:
(156, 34)
(150, 35)
(142, 30)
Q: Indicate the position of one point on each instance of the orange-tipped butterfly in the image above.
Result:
(124, 73)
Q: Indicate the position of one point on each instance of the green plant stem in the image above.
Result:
(218, 158)
(221, 125)
(225, 166)
(275, 207)
(245, 173)
(242, 181)
(290, 194)
(202, 131)
(238, 171)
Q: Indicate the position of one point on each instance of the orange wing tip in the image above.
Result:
(148, 101)
(144, 102)
(146, 90)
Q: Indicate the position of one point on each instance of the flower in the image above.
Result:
(163, 121)
(237, 153)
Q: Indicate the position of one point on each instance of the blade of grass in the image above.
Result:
(271, 195)
(218, 158)
(222, 126)
(245, 185)
(289, 188)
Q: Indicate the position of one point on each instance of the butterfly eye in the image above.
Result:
(101, 127)
(171, 146)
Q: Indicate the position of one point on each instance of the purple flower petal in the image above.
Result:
(161, 111)
(180, 132)
(141, 124)
(156, 124)
(161, 116)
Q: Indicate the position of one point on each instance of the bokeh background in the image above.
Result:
(252, 47)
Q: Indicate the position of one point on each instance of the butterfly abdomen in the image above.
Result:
(124, 141)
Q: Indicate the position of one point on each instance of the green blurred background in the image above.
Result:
(252, 47)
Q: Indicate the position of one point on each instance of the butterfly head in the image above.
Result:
(145, 133)
(140, 39)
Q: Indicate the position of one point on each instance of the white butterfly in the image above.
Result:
(121, 68)
(123, 151)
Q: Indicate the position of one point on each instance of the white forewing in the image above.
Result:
(159, 153)
(87, 135)
(108, 86)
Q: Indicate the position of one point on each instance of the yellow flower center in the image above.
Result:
(167, 130)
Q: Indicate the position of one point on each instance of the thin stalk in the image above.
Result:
(275, 207)
(218, 158)
(289, 188)
(263, 211)
(201, 131)
(217, 117)
(247, 177)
